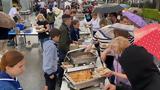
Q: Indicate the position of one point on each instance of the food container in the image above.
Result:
(82, 77)
(78, 56)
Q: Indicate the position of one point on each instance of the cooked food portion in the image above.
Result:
(66, 65)
(81, 76)
(74, 46)
(104, 45)
(39, 27)
(41, 30)
(102, 71)
(83, 56)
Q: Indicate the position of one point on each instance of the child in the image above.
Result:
(51, 18)
(75, 31)
(50, 59)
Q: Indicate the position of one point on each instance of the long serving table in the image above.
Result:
(31, 31)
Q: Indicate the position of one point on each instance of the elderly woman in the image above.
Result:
(138, 64)
(116, 48)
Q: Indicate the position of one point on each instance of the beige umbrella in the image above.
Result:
(6, 21)
(132, 9)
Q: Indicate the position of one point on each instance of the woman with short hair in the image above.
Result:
(43, 34)
(138, 65)
(116, 48)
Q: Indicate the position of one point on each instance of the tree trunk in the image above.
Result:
(158, 4)
(118, 1)
(154, 3)
(59, 2)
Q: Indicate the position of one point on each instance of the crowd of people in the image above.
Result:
(131, 66)
(53, 54)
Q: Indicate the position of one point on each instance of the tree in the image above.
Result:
(158, 4)
(118, 1)
(59, 2)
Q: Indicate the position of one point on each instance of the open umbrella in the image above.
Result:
(123, 27)
(124, 5)
(134, 18)
(108, 8)
(6, 21)
(149, 38)
(132, 9)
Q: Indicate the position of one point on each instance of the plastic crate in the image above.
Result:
(20, 26)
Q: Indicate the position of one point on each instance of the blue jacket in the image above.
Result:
(8, 83)
(50, 57)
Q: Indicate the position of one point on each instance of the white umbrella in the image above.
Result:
(123, 27)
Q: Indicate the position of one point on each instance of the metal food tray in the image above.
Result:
(74, 57)
(84, 84)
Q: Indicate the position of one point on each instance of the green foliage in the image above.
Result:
(151, 14)
(125, 3)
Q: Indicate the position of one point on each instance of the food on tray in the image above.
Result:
(82, 46)
(66, 65)
(81, 76)
(74, 46)
(39, 27)
(84, 56)
(41, 30)
(102, 71)
(104, 45)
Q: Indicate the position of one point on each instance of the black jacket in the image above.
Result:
(42, 35)
(74, 33)
(140, 69)
(65, 38)
(4, 33)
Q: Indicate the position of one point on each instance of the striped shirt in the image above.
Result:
(104, 36)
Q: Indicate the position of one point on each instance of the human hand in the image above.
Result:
(51, 77)
(108, 73)
(104, 53)
(75, 42)
(103, 56)
(104, 72)
(88, 48)
(110, 87)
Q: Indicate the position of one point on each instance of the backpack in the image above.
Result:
(51, 17)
